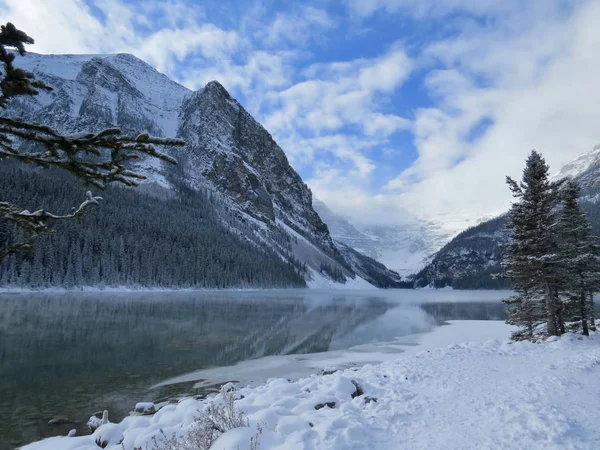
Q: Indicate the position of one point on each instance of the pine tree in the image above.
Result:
(581, 257)
(97, 158)
(531, 257)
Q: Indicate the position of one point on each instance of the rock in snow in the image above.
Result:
(97, 420)
(495, 394)
(59, 421)
(110, 434)
(145, 408)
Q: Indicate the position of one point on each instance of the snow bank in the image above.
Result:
(319, 281)
(491, 394)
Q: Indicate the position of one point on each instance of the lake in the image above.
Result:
(72, 354)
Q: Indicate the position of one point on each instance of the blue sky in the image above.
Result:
(389, 109)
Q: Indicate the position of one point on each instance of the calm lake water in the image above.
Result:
(72, 354)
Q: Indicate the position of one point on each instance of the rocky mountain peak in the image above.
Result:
(234, 152)
(217, 88)
(580, 164)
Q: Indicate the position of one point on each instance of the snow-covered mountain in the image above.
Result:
(228, 153)
(405, 247)
(580, 165)
(469, 259)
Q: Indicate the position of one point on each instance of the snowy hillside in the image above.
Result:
(469, 260)
(405, 247)
(228, 155)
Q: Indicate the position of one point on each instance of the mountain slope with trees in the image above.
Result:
(139, 239)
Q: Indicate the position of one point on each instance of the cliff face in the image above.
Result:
(229, 149)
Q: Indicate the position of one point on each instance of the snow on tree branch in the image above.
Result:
(36, 223)
(97, 158)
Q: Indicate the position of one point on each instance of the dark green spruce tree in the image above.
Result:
(531, 257)
(581, 258)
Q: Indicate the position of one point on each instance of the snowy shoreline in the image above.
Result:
(490, 394)
(119, 290)
(132, 289)
(254, 372)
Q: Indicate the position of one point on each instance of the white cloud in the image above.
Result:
(340, 94)
(379, 124)
(57, 26)
(334, 118)
(535, 80)
(172, 34)
(166, 47)
(297, 27)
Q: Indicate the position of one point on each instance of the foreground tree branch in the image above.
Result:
(33, 224)
(96, 158)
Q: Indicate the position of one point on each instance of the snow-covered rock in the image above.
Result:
(145, 408)
(110, 434)
(95, 422)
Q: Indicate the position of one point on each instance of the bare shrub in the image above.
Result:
(220, 416)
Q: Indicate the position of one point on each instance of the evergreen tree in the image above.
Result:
(581, 258)
(531, 257)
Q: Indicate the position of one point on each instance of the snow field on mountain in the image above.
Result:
(488, 394)
(318, 281)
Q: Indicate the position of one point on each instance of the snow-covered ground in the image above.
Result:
(486, 394)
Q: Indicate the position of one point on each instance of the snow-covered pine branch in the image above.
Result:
(97, 158)
(37, 222)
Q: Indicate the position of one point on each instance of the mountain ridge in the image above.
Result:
(229, 154)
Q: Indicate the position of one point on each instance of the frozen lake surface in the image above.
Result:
(72, 354)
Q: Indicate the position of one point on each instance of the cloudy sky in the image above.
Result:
(387, 108)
